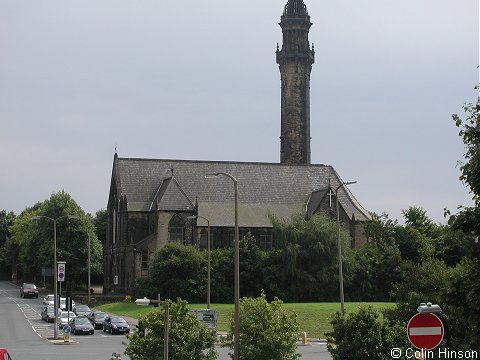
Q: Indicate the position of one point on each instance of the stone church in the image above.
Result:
(156, 201)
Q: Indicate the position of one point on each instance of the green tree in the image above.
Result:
(374, 269)
(100, 222)
(179, 271)
(365, 335)
(252, 263)
(187, 337)
(267, 331)
(308, 256)
(6, 221)
(416, 218)
(381, 229)
(34, 239)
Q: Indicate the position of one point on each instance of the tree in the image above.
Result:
(308, 256)
(6, 221)
(267, 331)
(34, 239)
(100, 222)
(187, 337)
(178, 271)
(365, 335)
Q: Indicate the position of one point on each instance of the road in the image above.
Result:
(25, 334)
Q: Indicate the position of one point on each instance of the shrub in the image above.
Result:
(267, 332)
(365, 335)
(188, 338)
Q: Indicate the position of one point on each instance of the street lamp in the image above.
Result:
(55, 308)
(236, 336)
(339, 246)
(208, 251)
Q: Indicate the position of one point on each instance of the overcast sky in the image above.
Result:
(198, 80)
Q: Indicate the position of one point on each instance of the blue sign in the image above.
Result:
(67, 329)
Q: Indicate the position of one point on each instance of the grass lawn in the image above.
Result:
(314, 318)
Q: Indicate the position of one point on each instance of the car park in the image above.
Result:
(116, 325)
(4, 355)
(96, 318)
(48, 313)
(81, 325)
(82, 310)
(64, 318)
(28, 290)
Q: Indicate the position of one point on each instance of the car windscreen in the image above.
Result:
(100, 315)
(81, 321)
(118, 320)
(28, 286)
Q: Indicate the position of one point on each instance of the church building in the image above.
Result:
(156, 201)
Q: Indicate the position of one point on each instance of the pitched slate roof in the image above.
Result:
(262, 187)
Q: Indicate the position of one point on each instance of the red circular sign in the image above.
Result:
(425, 331)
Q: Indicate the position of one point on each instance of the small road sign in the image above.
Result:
(425, 331)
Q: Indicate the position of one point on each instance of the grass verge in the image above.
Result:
(314, 318)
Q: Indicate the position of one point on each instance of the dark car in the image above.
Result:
(81, 310)
(48, 313)
(116, 325)
(96, 318)
(28, 290)
(81, 325)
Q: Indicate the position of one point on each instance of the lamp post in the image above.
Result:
(208, 256)
(339, 246)
(89, 271)
(55, 305)
(236, 335)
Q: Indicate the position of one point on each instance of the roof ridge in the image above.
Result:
(222, 162)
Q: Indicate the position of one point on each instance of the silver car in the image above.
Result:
(64, 318)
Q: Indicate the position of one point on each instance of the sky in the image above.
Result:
(198, 80)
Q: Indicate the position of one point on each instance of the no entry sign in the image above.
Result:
(425, 331)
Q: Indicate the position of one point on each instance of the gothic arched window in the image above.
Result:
(203, 239)
(176, 229)
(145, 259)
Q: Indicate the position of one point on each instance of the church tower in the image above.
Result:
(295, 61)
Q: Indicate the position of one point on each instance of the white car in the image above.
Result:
(63, 304)
(48, 300)
(65, 317)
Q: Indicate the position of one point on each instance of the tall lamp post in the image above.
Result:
(236, 335)
(55, 305)
(339, 246)
(208, 256)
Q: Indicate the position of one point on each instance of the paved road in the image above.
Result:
(25, 334)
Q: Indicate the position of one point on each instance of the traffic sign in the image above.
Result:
(61, 270)
(425, 331)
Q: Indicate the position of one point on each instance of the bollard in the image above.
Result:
(66, 333)
(304, 337)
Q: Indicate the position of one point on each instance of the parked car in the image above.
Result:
(116, 325)
(64, 318)
(82, 310)
(48, 313)
(81, 325)
(63, 304)
(48, 300)
(4, 355)
(28, 290)
(96, 318)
